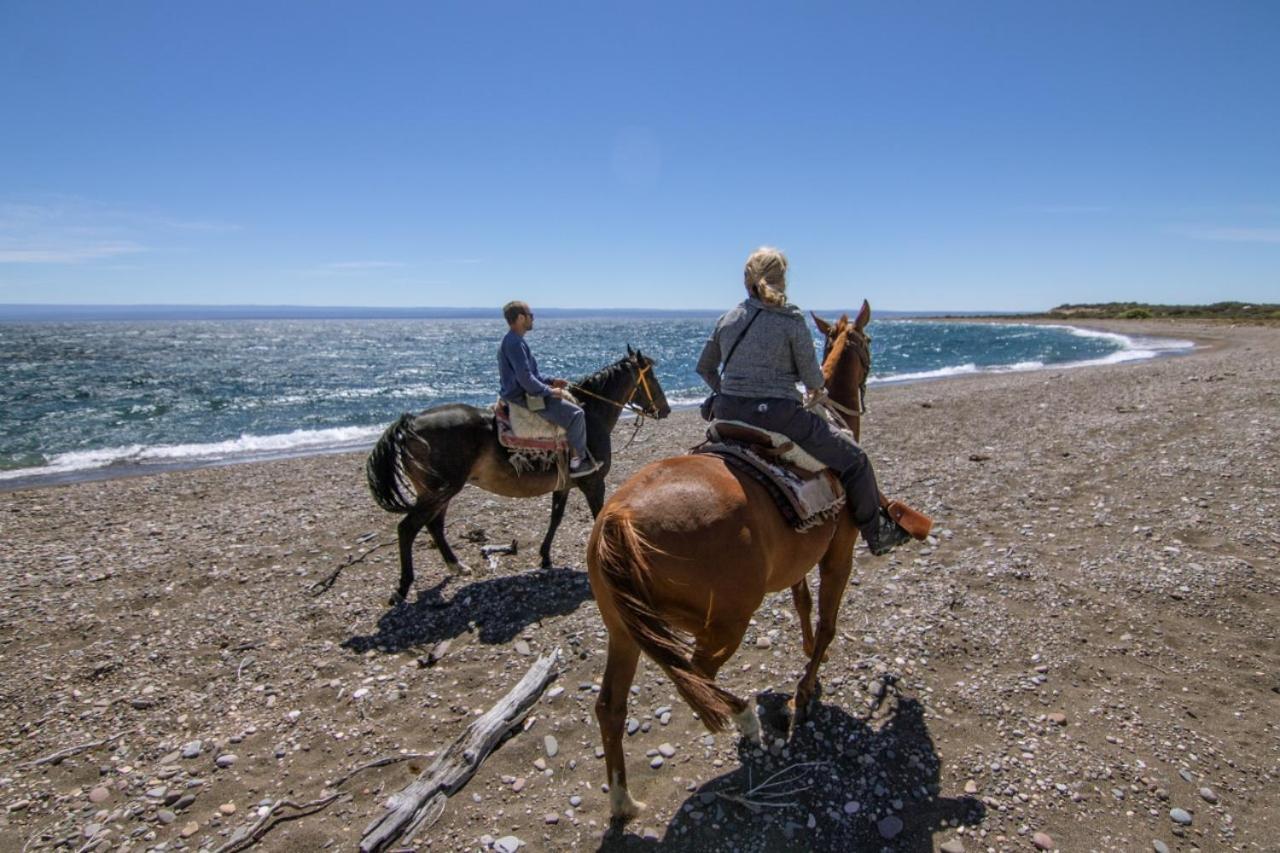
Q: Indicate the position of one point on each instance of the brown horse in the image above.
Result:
(688, 546)
(422, 461)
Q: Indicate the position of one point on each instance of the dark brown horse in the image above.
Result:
(423, 460)
(687, 546)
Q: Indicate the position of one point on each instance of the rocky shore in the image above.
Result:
(1084, 657)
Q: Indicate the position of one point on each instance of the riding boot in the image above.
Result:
(862, 495)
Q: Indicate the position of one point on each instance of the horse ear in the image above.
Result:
(630, 352)
(864, 316)
(823, 325)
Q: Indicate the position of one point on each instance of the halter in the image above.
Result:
(648, 411)
(642, 380)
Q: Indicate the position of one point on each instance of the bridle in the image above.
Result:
(862, 351)
(649, 410)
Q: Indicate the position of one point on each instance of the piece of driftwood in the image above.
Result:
(381, 762)
(322, 586)
(246, 837)
(61, 754)
(421, 802)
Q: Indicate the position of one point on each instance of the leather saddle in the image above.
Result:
(806, 492)
(773, 446)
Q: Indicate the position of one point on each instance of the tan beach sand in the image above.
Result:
(1090, 644)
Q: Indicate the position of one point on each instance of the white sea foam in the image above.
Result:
(245, 447)
(1133, 348)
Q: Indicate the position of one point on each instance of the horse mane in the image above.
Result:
(599, 381)
(832, 361)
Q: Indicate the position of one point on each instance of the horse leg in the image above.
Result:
(407, 532)
(804, 607)
(711, 651)
(593, 490)
(611, 713)
(834, 570)
(558, 501)
(436, 526)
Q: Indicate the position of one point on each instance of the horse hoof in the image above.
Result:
(458, 568)
(396, 599)
(627, 810)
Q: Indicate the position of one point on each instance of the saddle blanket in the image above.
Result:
(521, 429)
(804, 500)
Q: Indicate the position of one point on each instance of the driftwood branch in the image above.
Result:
(322, 586)
(421, 802)
(246, 837)
(381, 762)
(57, 757)
(772, 792)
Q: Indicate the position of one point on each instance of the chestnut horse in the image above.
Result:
(689, 546)
(422, 461)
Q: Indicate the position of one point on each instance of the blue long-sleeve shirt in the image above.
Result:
(518, 371)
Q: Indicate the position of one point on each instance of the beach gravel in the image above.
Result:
(1088, 644)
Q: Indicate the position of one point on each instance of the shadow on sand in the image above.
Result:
(483, 605)
(804, 795)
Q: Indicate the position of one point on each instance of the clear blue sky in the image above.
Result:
(1010, 155)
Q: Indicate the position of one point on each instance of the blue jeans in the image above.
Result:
(568, 417)
(833, 448)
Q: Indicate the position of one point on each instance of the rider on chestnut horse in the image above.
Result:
(771, 351)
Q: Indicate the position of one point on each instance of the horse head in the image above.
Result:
(846, 361)
(648, 394)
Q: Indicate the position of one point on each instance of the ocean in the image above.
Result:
(97, 398)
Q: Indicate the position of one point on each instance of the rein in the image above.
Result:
(628, 404)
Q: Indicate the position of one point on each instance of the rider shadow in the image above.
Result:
(482, 605)
(829, 789)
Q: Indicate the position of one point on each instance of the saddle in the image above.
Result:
(806, 492)
(521, 430)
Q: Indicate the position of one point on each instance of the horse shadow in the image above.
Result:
(837, 785)
(483, 605)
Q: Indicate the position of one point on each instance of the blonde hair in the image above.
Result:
(765, 276)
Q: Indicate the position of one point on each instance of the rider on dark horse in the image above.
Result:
(523, 386)
(771, 351)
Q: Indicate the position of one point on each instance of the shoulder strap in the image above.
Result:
(725, 364)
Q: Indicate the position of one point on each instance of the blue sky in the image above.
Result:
(926, 156)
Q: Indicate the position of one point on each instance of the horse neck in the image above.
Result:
(840, 370)
(615, 384)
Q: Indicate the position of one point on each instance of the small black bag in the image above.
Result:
(707, 409)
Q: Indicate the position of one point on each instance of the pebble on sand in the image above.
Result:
(1042, 841)
(889, 827)
(1181, 816)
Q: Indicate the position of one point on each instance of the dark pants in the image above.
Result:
(830, 446)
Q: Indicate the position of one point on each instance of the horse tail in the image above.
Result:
(388, 465)
(616, 558)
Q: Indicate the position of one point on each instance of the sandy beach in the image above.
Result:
(1085, 657)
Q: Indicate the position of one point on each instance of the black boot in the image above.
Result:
(883, 534)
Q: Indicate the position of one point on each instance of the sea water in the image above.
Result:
(98, 398)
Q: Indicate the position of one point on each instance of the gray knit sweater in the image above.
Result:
(776, 353)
